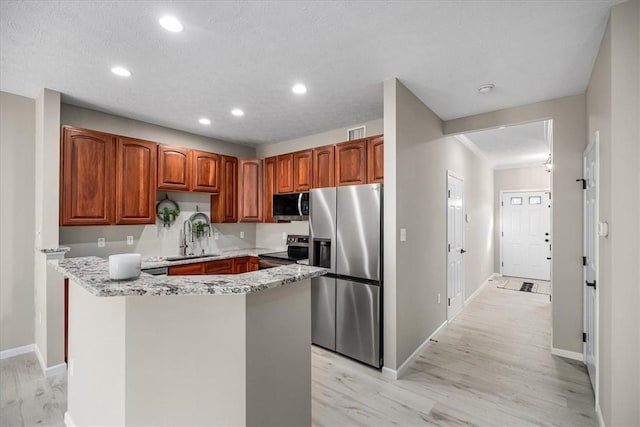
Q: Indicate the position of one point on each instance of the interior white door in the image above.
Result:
(455, 245)
(590, 338)
(526, 234)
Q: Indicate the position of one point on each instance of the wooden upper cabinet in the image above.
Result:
(284, 169)
(87, 177)
(302, 170)
(135, 181)
(269, 187)
(205, 175)
(224, 206)
(250, 190)
(351, 162)
(375, 159)
(173, 168)
(324, 167)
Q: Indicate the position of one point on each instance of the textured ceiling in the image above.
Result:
(521, 145)
(249, 54)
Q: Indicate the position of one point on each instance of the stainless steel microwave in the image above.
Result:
(291, 206)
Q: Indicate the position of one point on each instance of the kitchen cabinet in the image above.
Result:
(174, 166)
(245, 264)
(205, 176)
(186, 269)
(351, 162)
(302, 170)
(284, 171)
(375, 159)
(223, 266)
(87, 177)
(270, 179)
(324, 167)
(250, 190)
(135, 181)
(224, 205)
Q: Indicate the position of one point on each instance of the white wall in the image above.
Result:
(270, 235)
(613, 110)
(17, 184)
(569, 140)
(532, 178)
(153, 239)
(417, 157)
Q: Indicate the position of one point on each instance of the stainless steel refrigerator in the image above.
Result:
(345, 227)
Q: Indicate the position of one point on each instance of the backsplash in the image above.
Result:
(156, 239)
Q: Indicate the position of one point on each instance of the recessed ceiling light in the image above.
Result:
(204, 121)
(120, 71)
(299, 89)
(237, 112)
(484, 89)
(170, 23)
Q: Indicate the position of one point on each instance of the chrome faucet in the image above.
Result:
(184, 246)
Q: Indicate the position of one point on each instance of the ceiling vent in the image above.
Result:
(356, 133)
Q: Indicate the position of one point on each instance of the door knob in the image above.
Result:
(462, 251)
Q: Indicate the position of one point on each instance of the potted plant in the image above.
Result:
(169, 215)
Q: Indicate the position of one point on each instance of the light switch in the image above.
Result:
(403, 234)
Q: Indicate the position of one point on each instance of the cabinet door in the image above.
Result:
(351, 162)
(302, 170)
(375, 159)
(186, 269)
(204, 171)
(269, 187)
(173, 168)
(223, 266)
(87, 177)
(135, 181)
(240, 265)
(324, 167)
(250, 190)
(285, 173)
(224, 206)
(253, 263)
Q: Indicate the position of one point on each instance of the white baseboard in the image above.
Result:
(48, 371)
(599, 414)
(477, 291)
(16, 351)
(68, 421)
(574, 355)
(396, 374)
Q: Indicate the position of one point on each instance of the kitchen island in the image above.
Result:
(188, 350)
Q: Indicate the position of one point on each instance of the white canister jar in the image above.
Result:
(124, 266)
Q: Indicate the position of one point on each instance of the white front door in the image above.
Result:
(455, 245)
(590, 261)
(526, 234)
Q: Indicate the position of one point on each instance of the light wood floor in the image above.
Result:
(490, 367)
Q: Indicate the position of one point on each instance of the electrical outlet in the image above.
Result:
(216, 235)
(284, 235)
(438, 298)
(242, 234)
(403, 234)
(129, 240)
(71, 366)
(101, 242)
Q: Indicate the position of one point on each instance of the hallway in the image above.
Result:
(491, 366)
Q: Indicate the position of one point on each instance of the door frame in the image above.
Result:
(595, 144)
(451, 173)
(502, 192)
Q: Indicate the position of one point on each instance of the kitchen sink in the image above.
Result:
(183, 257)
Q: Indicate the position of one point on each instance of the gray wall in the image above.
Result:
(613, 110)
(17, 184)
(153, 239)
(270, 235)
(417, 157)
(569, 140)
(532, 178)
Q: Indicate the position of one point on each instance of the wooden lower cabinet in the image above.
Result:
(222, 266)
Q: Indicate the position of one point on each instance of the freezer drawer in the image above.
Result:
(323, 312)
(358, 321)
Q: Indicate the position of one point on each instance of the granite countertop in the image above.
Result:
(92, 273)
